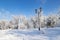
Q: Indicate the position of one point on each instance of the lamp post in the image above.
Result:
(38, 12)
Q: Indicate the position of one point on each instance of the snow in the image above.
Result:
(30, 34)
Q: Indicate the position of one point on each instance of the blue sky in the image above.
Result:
(27, 7)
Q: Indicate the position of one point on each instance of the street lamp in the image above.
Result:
(38, 12)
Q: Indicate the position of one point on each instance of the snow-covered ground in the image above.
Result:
(30, 34)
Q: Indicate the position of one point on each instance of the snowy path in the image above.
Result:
(49, 34)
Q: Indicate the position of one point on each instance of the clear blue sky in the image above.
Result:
(27, 7)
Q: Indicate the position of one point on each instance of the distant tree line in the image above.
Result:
(22, 22)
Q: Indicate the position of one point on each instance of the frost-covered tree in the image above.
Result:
(51, 20)
(57, 21)
(23, 20)
(15, 21)
(3, 24)
(34, 21)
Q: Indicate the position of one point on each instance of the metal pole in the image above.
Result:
(39, 17)
(39, 21)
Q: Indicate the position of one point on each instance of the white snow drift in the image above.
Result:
(30, 34)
